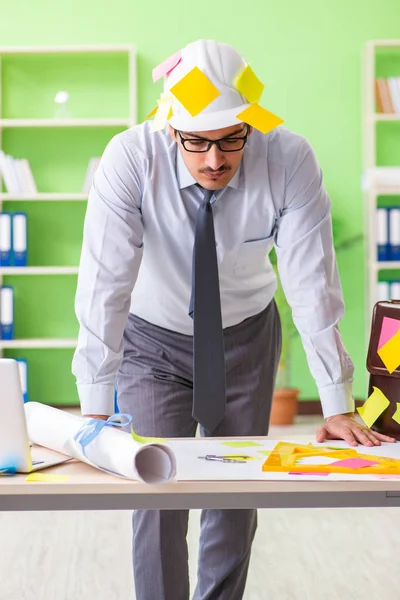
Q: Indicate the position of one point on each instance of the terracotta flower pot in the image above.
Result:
(284, 406)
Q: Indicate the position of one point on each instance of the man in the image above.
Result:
(143, 290)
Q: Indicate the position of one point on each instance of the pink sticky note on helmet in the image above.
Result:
(167, 66)
(389, 328)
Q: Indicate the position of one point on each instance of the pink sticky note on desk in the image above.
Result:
(166, 66)
(389, 328)
(353, 463)
(304, 473)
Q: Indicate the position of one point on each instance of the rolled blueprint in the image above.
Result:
(112, 450)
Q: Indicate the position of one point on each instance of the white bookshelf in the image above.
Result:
(9, 123)
(30, 343)
(385, 117)
(130, 120)
(38, 271)
(370, 120)
(47, 197)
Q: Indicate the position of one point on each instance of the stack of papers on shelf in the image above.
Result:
(92, 166)
(381, 177)
(17, 175)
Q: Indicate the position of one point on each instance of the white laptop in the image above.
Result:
(15, 450)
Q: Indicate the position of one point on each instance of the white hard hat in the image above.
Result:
(208, 85)
(221, 64)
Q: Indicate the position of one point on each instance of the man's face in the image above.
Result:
(215, 168)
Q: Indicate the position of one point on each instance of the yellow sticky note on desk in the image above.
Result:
(240, 444)
(373, 407)
(260, 118)
(147, 440)
(248, 84)
(46, 477)
(390, 353)
(195, 91)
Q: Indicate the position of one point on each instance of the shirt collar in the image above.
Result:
(185, 179)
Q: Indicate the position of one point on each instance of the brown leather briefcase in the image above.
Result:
(380, 377)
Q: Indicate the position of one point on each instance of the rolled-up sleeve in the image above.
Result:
(309, 275)
(109, 265)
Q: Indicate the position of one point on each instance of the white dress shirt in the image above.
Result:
(137, 254)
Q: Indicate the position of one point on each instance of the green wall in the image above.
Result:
(307, 53)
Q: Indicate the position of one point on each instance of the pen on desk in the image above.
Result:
(214, 457)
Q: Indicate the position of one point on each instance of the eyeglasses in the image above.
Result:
(228, 144)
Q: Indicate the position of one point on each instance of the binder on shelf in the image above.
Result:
(394, 233)
(6, 313)
(383, 291)
(5, 239)
(19, 239)
(395, 290)
(382, 236)
(23, 374)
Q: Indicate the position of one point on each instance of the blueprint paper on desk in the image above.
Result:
(192, 468)
(112, 450)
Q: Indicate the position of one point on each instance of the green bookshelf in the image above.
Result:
(101, 84)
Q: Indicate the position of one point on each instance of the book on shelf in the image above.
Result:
(17, 175)
(388, 95)
(92, 166)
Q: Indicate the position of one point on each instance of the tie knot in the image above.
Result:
(208, 194)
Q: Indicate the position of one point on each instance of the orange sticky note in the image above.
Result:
(46, 477)
(390, 353)
(260, 118)
(195, 91)
(248, 84)
(373, 407)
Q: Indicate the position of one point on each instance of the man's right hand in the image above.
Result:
(101, 417)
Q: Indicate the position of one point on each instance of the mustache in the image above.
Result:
(220, 170)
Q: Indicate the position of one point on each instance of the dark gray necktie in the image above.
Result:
(209, 396)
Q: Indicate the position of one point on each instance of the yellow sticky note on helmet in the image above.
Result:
(195, 91)
(164, 111)
(390, 353)
(373, 407)
(248, 84)
(260, 118)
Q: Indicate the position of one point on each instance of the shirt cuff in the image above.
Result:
(337, 399)
(96, 399)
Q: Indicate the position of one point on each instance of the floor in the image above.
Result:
(319, 554)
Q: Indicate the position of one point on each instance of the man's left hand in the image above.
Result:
(345, 427)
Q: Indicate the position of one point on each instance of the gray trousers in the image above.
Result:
(155, 386)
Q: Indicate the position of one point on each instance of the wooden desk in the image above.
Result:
(90, 489)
